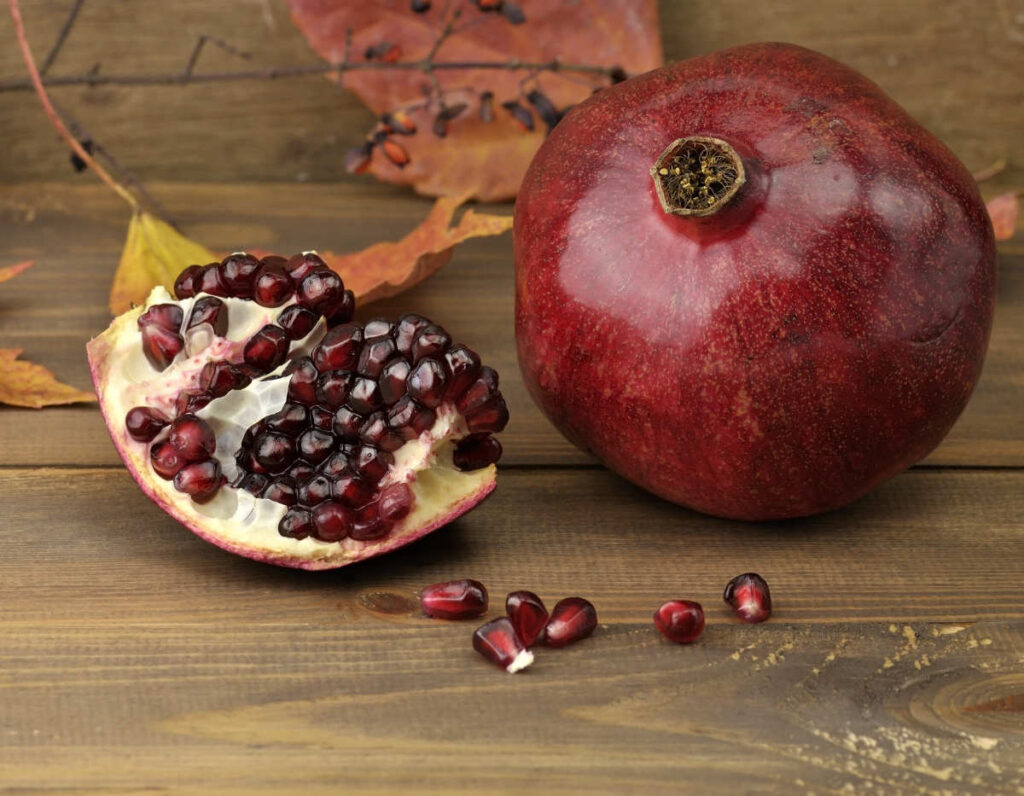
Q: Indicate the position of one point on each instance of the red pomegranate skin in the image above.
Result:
(817, 335)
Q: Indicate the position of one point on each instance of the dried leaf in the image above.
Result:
(154, 254)
(26, 384)
(1004, 210)
(12, 271)
(481, 159)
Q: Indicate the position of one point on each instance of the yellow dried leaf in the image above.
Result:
(154, 254)
(12, 271)
(33, 386)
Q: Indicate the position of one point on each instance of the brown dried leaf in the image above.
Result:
(12, 271)
(484, 160)
(154, 254)
(1004, 210)
(33, 386)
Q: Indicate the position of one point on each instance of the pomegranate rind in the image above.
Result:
(441, 492)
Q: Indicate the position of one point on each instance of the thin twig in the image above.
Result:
(51, 112)
(993, 170)
(201, 42)
(61, 37)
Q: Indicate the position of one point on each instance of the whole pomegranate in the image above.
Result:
(254, 410)
(751, 283)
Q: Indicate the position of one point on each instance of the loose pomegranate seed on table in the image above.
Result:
(681, 621)
(749, 597)
(498, 642)
(572, 619)
(528, 615)
(454, 599)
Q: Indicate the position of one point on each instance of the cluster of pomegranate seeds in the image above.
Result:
(749, 597)
(186, 455)
(681, 621)
(454, 599)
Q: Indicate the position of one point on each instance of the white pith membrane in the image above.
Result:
(521, 661)
(234, 519)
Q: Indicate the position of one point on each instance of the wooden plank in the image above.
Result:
(128, 646)
(927, 55)
(75, 234)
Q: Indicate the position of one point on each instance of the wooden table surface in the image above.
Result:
(135, 657)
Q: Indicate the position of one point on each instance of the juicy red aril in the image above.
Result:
(395, 502)
(211, 310)
(281, 491)
(392, 380)
(315, 445)
(297, 321)
(351, 490)
(238, 272)
(144, 424)
(681, 621)
(314, 491)
(192, 438)
(527, 614)
(320, 291)
(347, 423)
(299, 265)
(344, 311)
(497, 641)
(220, 378)
(274, 451)
(489, 418)
(272, 287)
(296, 523)
(339, 348)
(331, 521)
(368, 525)
(378, 327)
(199, 480)
(332, 388)
(301, 472)
(571, 619)
(463, 366)
(166, 460)
(160, 345)
(405, 332)
(322, 418)
(410, 419)
(749, 596)
(209, 281)
(476, 452)
(266, 349)
(185, 284)
(427, 381)
(372, 463)
(454, 599)
(255, 484)
(166, 316)
(479, 392)
(432, 341)
(364, 396)
(189, 404)
(374, 356)
(302, 384)
(290, 420)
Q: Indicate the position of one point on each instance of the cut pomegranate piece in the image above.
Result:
(282, 451)
(749, 597)
(528, 615)
(454, 599)
(681, 621)
(497, 641)
(571, 619)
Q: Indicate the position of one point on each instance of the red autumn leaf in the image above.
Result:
(12, 271)
(485, 158)
(1004, 210)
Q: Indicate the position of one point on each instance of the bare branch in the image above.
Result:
(201, 42)
(61, 37)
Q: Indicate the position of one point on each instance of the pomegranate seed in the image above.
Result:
(192, 438)
(372, 463)
(302, 386)
(314, 491)
(297, 321)
(364, 397)
(166, 460)
(476, 452)
(432, 341)
(344, 311)
(209, 282)
(339, 348)
(273, 287)
(266, 349)
(238, 272)
(331, 521)
(427, 382)
(322, 418)
(220, 378)
(144, 424)
(199, 480)
(255, 484)
(332, 388)
(350, 489)
(527, 614)
(160, 345)
(374, 356)
(315, 445)
(405, 332)
(319, 290)
(189, 404)
(497, 641)
(299, 265)
(281, 491)
(300, 472)
(347, 423)
(273, 450)
(489, 418)
(463, 366)
(681, 621)
(296, 523)
(185, 284)
(378, 327)
(395, 502)
(482, 390)
(290, 419)
(410, 419)
(166, 316)
(749, 596)
(368, 524)
(392, 380)
(454, 599)
(211, 310)
(571, 619)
